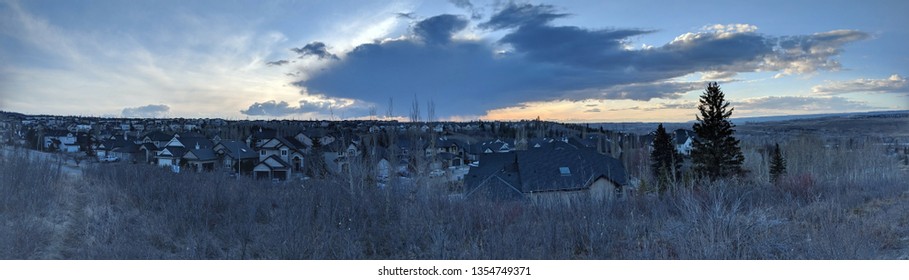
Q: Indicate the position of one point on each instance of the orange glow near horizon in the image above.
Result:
(593, 111)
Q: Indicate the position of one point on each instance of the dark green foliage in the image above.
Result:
(777, 164)
(716, 152)
(665, 161)
(315, 162)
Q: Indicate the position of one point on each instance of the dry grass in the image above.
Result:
(835, 204)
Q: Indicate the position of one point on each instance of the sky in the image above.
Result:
(569, 61)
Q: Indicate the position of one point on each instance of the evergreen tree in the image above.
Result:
(665, 161)
(777, 164)
(315, 162)
(716, 152)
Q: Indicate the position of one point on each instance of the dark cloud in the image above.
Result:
(574, 46)
(147, 111)
(475, 12)
(408, 15)
(277, 63)
(439, 29)
(892, 84)
(647, 91)
(316, 49)
(809, 53)
(801, 103)
(519, 15)
(536, 61)
(593, 110)
(278, 109)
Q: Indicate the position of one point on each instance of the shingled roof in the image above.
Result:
(558, 167)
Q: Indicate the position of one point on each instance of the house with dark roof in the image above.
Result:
(170, 156)
(273, 167)
(157, 138)
(106, 147)
(288, 150)
(558, 170)
(147, 152)
(127, 152)
(236, 156)
(474, 150)
(174, 151)
(200, 159)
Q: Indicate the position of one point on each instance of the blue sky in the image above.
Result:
(576, 61)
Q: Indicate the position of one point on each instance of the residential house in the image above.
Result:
(236, 156)
(200, 158)
(157, 138)
(60, 140)
(684, 141)
(272, 167)
(126, 151)
(179, 145)
(486, 147)
(558, 171)
(105, 147)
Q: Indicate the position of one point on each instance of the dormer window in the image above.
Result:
(262, 152)
(284, 152)
(564, 171)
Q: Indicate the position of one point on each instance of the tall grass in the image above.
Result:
(29, 198)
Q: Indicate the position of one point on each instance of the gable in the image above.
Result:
(174, 142)
(190, 155)
(274, 163)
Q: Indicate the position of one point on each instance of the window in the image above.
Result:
(284, 152)
(564, 171)
(262, 152)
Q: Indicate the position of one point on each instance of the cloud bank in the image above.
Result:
(147, 111)
(893, 84)
(802, 103)
(538, 61)
(273, 108)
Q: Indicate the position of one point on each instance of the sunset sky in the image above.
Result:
(573, 61)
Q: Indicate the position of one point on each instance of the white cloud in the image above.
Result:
(893, 84)
(147, 111)
(800, 104)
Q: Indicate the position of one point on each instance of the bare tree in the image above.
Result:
(415, 110)
(389, 112)
(431, 111)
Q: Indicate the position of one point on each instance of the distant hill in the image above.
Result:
(647, 127)
(818, 116)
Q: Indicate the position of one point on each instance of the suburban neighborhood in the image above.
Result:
(478, 159)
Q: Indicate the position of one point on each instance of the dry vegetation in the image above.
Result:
(836, 203)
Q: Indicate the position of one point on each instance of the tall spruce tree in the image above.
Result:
(665, 161)
(777, 164)
(716, 152)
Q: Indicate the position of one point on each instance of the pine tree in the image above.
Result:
(716, 152)
(315, 163)
(665, 161)
(777, 164)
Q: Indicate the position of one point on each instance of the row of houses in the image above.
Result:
(499, 168)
